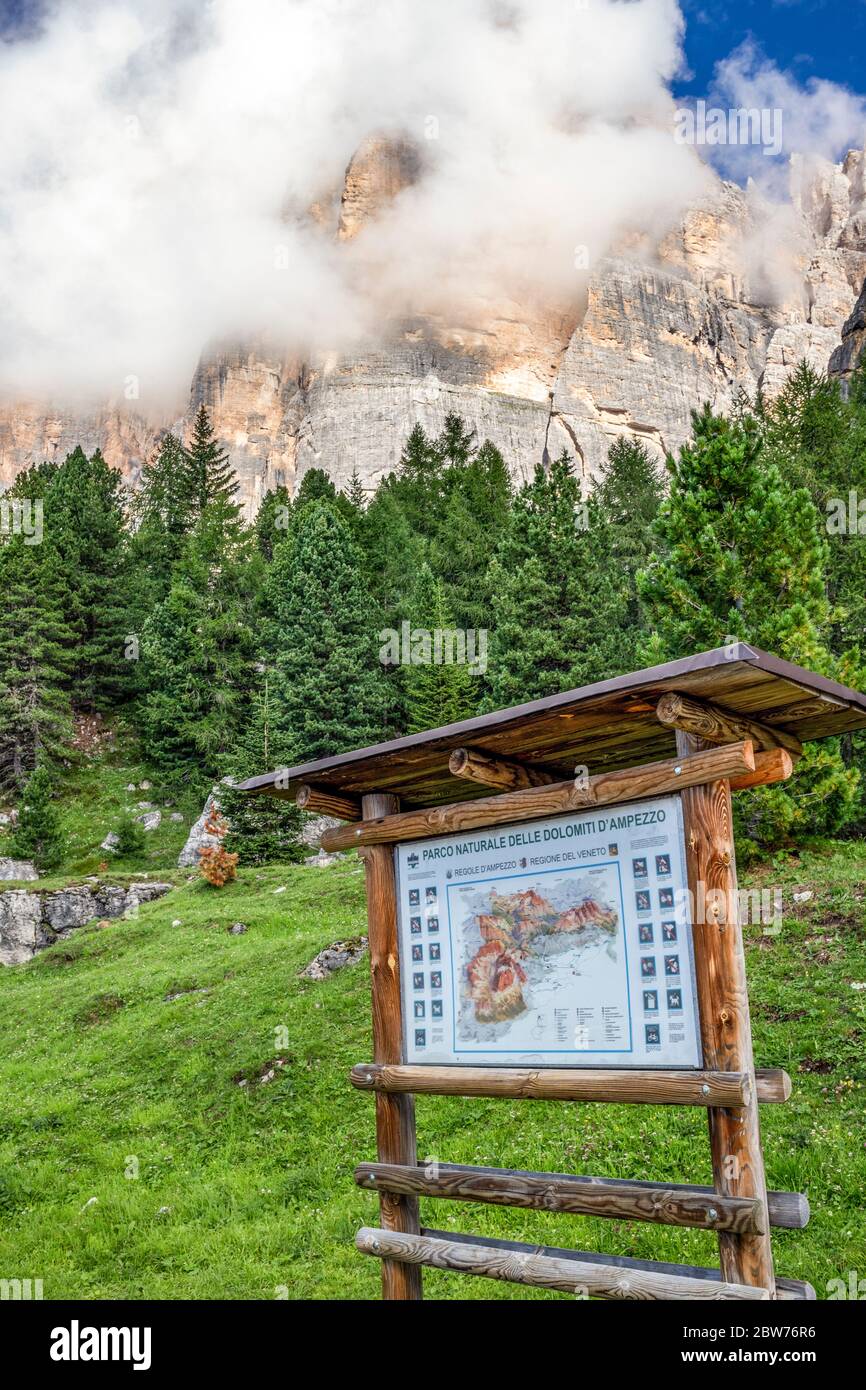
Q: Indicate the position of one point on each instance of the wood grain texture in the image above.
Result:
(478, 766)
(321, 801)
(717, 725)
(773, 766)
(545, 1192)
(605, 789)
(723, 1005)
(395, 1114)
(785, 1288)
(525, 1266)
(634, 1087)
(788, 1210)
(772, 1086)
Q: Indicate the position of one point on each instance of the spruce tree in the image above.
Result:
(418, 485)
(473, 518)
(210, 476)
(739, 554)
(35, 646)
(163, 511)
(455, 444)
(558, 613)
(438, 691)
(85, 523)
(273, 520)
(198, 649)
(628, 495)
(37, 835)
(328, 689)
(262, 829)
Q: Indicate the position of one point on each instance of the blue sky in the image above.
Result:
(809, 38)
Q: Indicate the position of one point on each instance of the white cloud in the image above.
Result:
(158, 147)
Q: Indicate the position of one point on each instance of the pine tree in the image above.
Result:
(35, 645)
(328, 689)
(86, 523)
(262, 829)
(558, 611)
(739, 555)
(163, 512)
(818, 438)
(198, 649)
(272, 520)
(315, 486)
(438, 691)
(37, 835)
(473, 518)
(456, 444)
(210, 476)
(628, 496)
(356, 493)
(418, 485)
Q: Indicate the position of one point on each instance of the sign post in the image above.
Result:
(534, 936)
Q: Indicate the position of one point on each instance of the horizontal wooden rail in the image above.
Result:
(786, 1210)
(524, 1264)
(626, 1201)
(609, 1084)
(717, 725)
(785, 1288)
(615, 1087)
(604, 789)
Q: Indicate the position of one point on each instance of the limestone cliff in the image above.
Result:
(731, 300)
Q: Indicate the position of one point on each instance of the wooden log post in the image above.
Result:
(726, 1035)
(395, 1114)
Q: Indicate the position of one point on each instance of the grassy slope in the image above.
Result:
(244, 1190)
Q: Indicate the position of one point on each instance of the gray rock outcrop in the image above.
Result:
(17, 870)
(30, 921)
(198, 838)
(849, 354)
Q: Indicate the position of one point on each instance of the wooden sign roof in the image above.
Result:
(609, 724)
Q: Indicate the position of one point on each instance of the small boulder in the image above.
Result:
(145, 786)
(12, 870)
(176, 818)
(111, 842)
(238, 929)
(334, 958)
(321, 860)
(145, 806)
(151, 820)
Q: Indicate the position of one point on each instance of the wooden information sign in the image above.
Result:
(539, 936)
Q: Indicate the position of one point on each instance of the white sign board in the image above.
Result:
(560, 942)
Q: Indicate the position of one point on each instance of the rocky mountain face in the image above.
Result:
(730, 301)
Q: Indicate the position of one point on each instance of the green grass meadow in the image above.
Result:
(176, 1120)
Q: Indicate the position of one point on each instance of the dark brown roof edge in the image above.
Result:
(634, 680)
